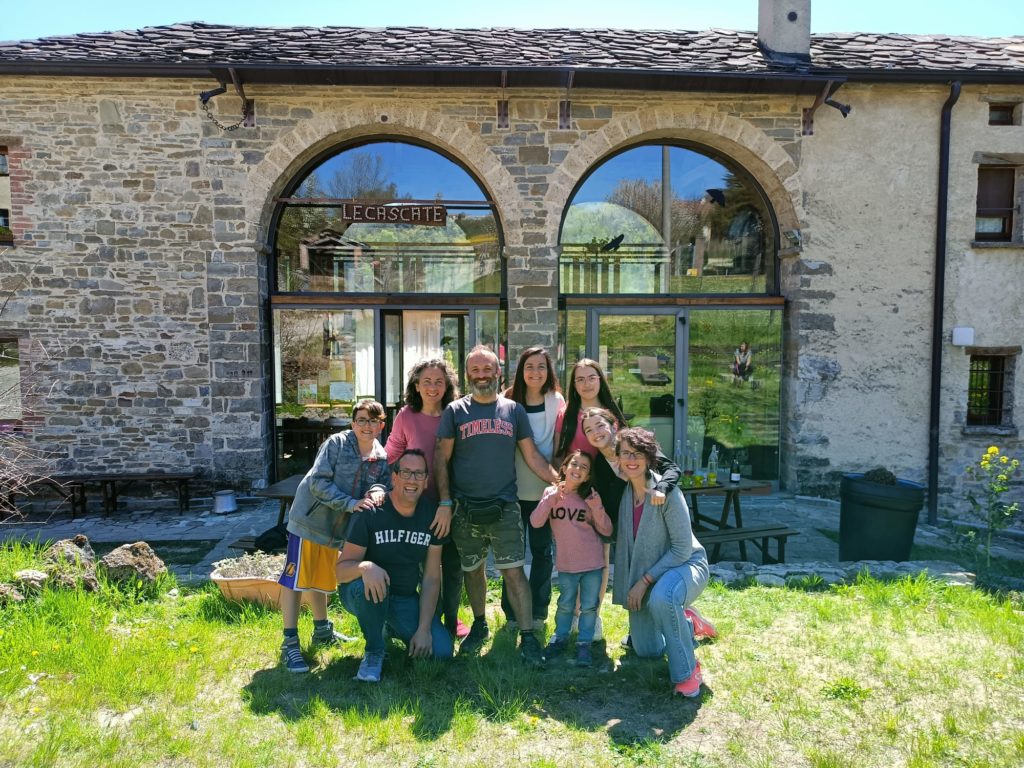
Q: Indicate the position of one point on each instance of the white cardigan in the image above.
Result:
(530, 487)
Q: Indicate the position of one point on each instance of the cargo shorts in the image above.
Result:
(505, 538)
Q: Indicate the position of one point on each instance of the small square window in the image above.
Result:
(989, 391)
(1002, 114)
(5, 217)
(4, 167)
(994, 220)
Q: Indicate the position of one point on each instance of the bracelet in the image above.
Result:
(446, 503)
(647, 580)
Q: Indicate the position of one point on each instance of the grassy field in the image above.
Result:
(909, 673)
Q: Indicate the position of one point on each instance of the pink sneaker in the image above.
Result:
(690, 687)
(461, 630)
(702, 628)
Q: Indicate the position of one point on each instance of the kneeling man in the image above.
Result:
(379, 570)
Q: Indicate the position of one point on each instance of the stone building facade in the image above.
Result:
(142, 267)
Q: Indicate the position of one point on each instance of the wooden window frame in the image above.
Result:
(997, 198)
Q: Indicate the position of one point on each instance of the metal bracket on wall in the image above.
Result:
(502, 114)
(565, 107)
(825, 97)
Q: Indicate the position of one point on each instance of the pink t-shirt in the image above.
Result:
(638, 512)
(415, 429)
(575, 525)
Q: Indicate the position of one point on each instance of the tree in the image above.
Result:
(363, 176)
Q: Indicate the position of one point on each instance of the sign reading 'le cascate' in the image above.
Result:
(395, 213)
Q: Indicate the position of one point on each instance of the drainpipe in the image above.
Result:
(938, 306)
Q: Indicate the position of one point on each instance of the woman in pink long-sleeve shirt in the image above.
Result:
(577, 518)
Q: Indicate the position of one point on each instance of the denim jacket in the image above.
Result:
(338, 480)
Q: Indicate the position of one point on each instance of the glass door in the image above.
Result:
(716, 371)
(734, 384)
(642, 355)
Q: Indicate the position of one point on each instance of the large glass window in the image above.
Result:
(322, 246)
(662, 219)
(386, 254)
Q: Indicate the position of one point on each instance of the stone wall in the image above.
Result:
(142, 229)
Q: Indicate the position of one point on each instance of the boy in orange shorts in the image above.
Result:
(350, 474)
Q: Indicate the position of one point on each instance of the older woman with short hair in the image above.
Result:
(660, 566)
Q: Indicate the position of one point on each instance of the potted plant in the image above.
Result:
(877, 515)
(252, 576)
(6, 235)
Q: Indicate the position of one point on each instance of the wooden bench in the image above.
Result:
(759, 537)
(108, 483)
(70, 488)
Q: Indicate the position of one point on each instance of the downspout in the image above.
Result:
(938, 307)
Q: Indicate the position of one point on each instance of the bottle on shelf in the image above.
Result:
(713, 466)
(734, 470)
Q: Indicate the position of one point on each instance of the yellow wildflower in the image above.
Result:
(992, 450)
(1002, 478)
(193, 649)
(1004, 459)
(1015, 463)
(35, 653)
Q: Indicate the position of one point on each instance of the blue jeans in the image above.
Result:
(660, 626)
(399, 614)
(588, 585)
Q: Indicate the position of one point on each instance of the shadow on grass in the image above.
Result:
(633, 704)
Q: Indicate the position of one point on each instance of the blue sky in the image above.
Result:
(25, 20)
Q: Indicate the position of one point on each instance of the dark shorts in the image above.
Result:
(504, 537)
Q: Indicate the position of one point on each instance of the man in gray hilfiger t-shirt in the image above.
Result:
(475, 472)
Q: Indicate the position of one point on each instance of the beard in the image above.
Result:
(485, 390)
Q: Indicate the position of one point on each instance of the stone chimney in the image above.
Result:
(784, 30)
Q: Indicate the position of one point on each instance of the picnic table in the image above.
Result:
(284, 490)
(715, 531)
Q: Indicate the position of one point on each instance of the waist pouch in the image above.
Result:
(482, 511)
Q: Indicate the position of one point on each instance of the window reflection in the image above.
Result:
(714, 236)
(318, 252)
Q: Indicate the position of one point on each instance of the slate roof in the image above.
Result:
(714, 51)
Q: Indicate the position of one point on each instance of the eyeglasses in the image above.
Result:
(579, 465)
(412, 474)
(364, 422)
(587, 379)
(631, 456)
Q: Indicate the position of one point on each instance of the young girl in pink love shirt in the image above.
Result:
(577, 518)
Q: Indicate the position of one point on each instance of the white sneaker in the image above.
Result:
(598, 630)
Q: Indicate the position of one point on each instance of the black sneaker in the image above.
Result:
(474, 641)
(330, 636)
(291, 657)
(530, 650)
(556, 647)
(584, 658)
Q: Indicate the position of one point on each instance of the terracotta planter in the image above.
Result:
(265, 591)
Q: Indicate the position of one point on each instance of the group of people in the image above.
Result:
(400, 529)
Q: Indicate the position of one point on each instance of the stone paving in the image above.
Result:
(812, 552)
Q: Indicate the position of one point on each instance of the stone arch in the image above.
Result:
(314, 136)
(743, 143)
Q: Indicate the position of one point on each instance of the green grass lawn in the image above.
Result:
(907, 673)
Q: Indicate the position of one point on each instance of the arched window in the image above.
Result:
(387, 217)
(663, 219)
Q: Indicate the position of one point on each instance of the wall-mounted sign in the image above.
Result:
(397, 213)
